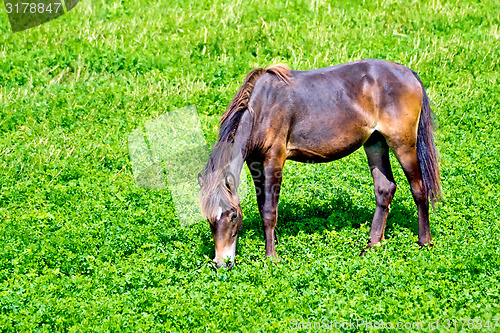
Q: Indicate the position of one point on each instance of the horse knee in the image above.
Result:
(384, 194)
(419, 195)
(269, 217)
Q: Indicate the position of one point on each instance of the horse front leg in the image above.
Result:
(267, 178)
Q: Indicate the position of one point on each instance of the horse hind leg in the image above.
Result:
(377, 152)
(408, 158)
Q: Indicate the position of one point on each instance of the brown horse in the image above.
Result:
(319, 116)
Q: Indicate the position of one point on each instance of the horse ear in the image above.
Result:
(230, 181)
(200, 179)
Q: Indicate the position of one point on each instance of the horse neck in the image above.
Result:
(236, 164)
(240, 146)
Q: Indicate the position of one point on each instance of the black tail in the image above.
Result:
(426, 150)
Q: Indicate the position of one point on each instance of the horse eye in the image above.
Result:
(234, 216)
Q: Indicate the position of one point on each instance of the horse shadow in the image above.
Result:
(336, 214)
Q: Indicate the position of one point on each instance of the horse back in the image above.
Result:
(325, 114)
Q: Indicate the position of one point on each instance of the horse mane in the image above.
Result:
(214, 191)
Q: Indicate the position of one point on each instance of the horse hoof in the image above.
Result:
(425, 245)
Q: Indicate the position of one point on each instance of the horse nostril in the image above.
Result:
(219, 264)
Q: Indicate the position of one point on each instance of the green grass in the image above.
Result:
(82, 248)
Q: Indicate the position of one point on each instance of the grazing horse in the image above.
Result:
(317, 116)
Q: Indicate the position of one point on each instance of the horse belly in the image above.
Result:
(316, 144)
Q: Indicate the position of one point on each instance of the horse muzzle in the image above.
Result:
(225, 257)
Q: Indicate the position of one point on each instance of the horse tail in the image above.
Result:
(212, 173)
(426, 149)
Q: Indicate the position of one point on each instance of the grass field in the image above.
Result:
(82, 248)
